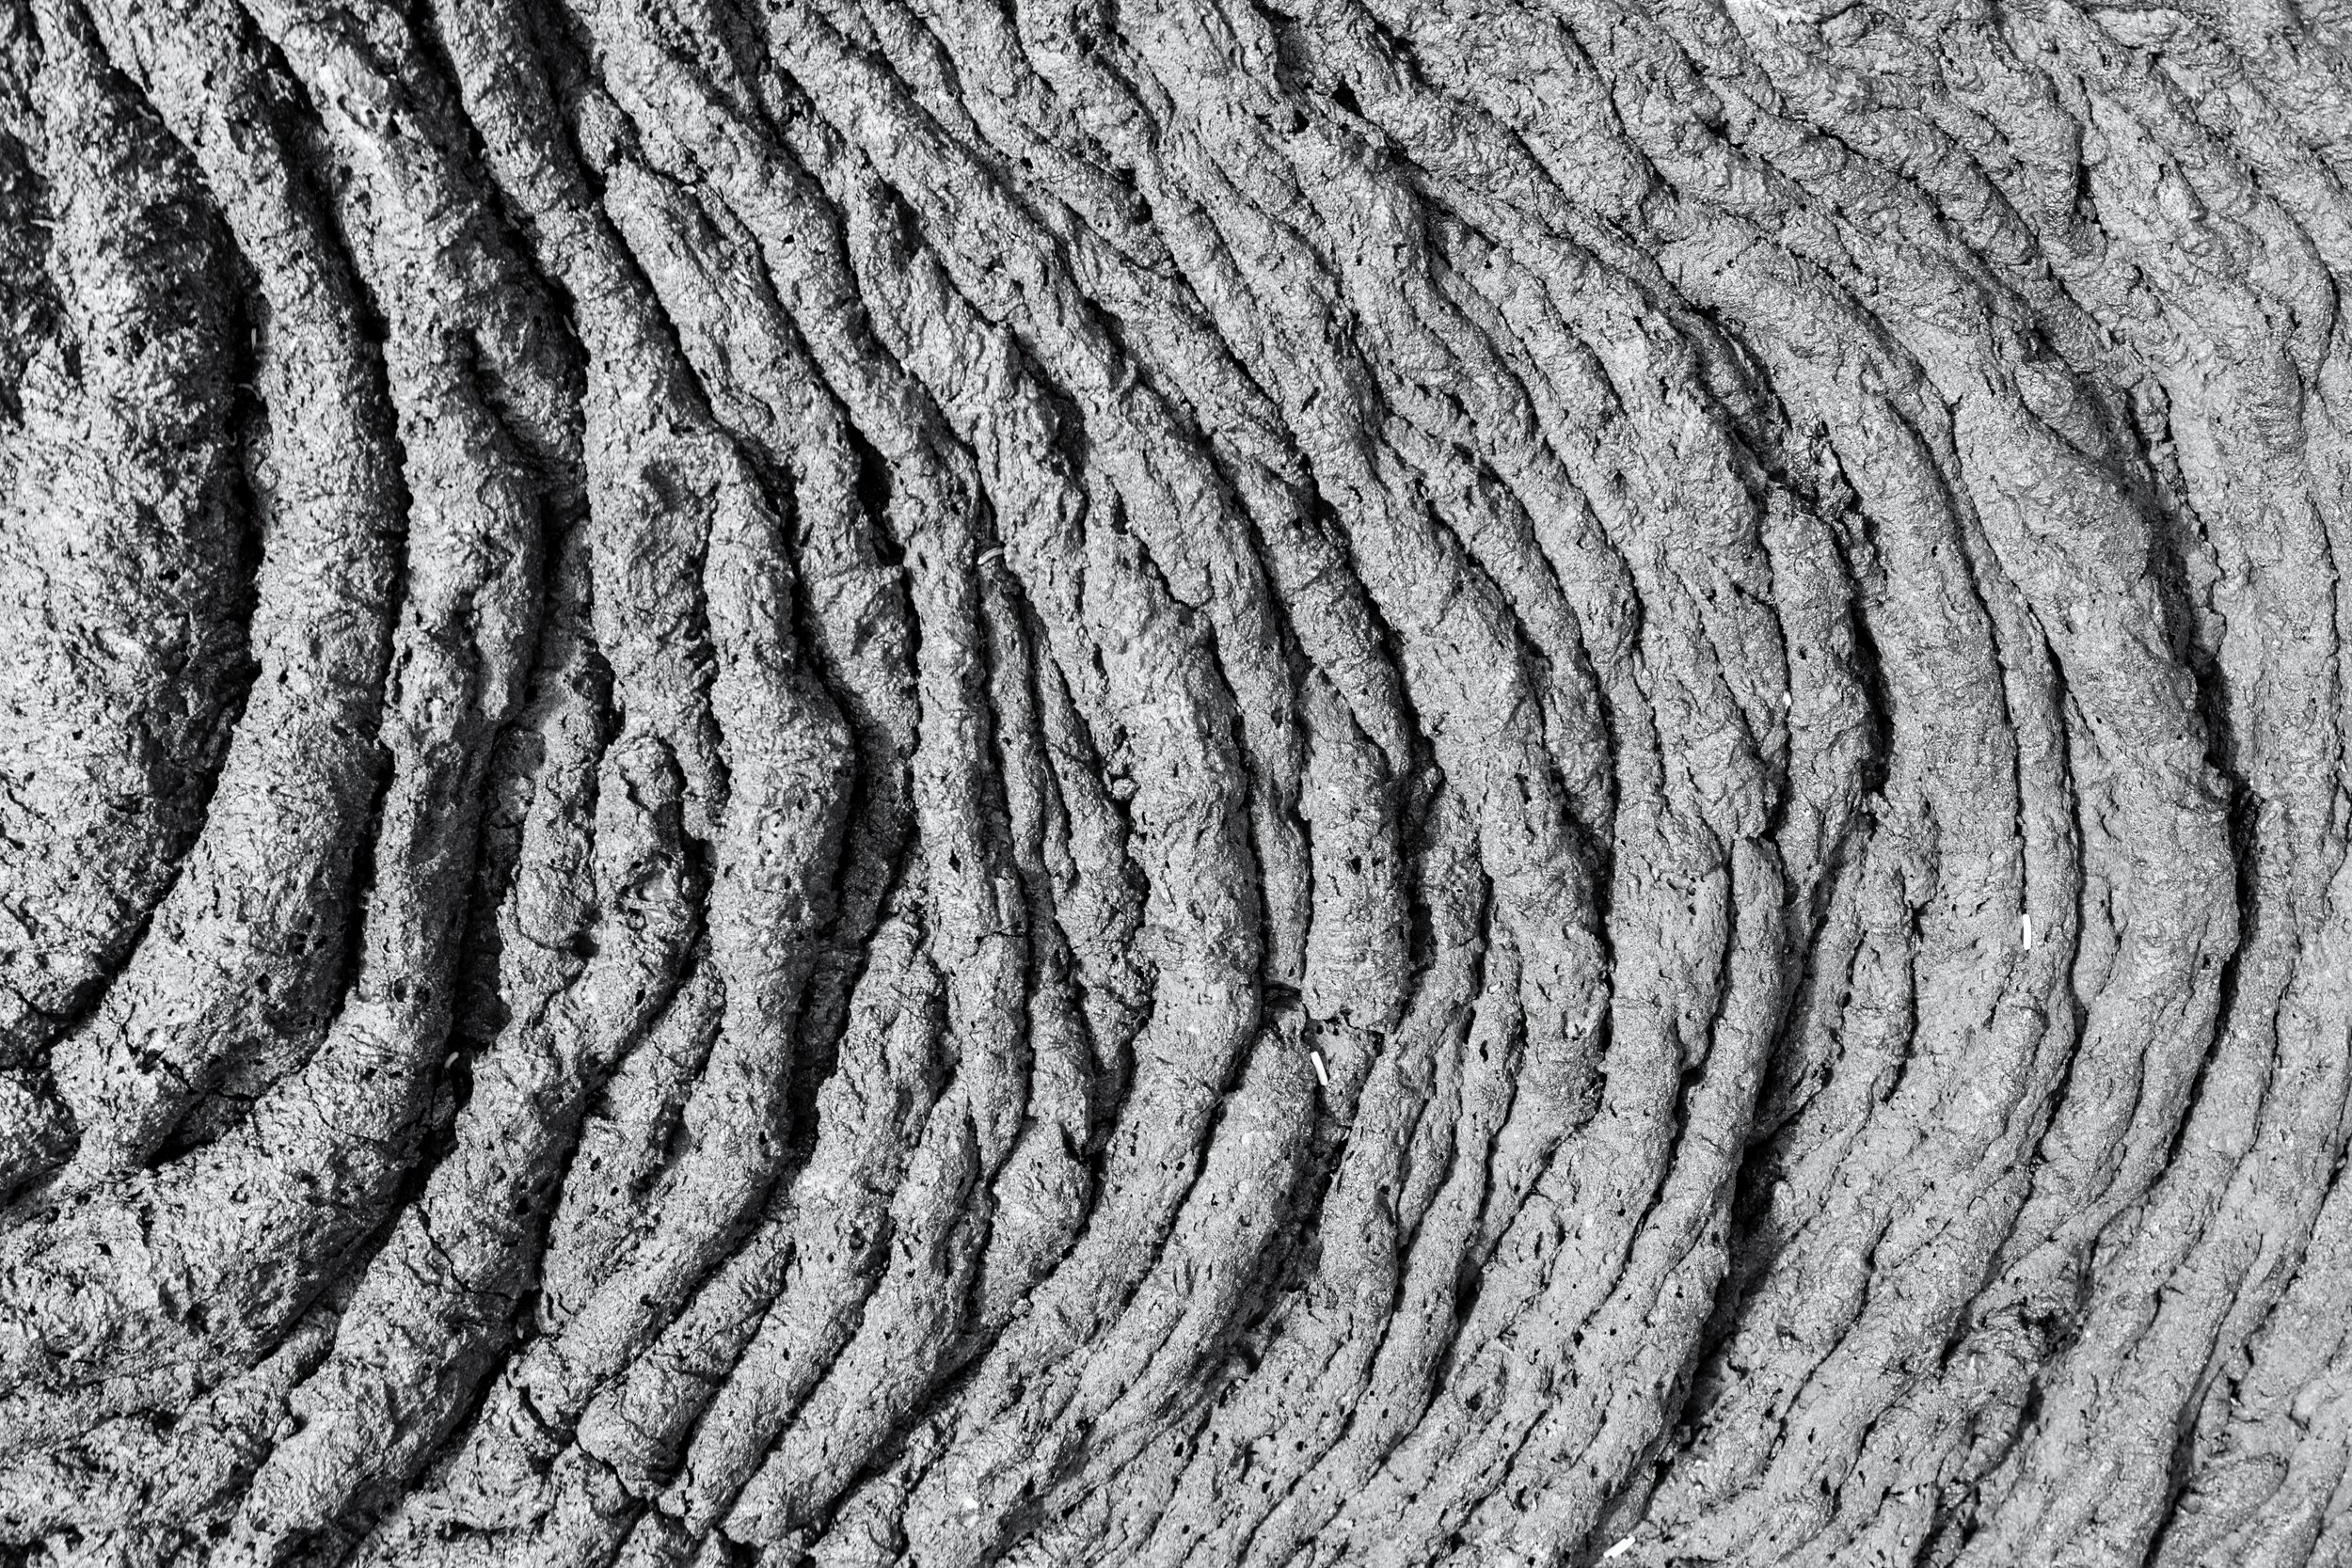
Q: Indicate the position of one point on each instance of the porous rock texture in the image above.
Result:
(1174, 781)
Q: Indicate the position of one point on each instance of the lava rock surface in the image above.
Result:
(1175, 783)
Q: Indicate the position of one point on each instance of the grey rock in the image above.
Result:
(1326, 781)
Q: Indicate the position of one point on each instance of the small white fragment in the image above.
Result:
(1618, 1550)
(994, 553)
(2025, 925)
(1321, 1076)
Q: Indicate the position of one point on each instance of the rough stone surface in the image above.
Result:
(1175, 782)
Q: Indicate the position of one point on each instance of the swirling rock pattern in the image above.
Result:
(1175, 782)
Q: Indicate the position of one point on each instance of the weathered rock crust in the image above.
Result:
(1191, 782)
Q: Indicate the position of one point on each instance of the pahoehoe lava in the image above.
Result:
(1175, 783)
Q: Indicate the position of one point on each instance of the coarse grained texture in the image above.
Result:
(1219, 783)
